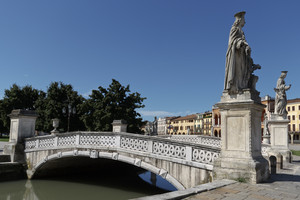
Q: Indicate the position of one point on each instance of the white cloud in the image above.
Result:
(155, 113)
(87, 94)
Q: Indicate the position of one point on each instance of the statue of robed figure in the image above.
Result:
(239, 64)
(280, 98)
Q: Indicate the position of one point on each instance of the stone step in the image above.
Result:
(4, 158)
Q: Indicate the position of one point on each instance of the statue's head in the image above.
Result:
(283, 74)
(240, 19)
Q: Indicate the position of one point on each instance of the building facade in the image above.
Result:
(169, 124)
(162, 126)
(216, 122)
(183, 125)
(198, 127)
(207, 123)
(293, 109)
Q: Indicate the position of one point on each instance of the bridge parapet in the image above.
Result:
(198, 139)
(196, 155)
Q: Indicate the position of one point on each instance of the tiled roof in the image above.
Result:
(294, 100)
(171, 118)
(193, 116)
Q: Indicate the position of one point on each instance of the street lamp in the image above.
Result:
(71, 110)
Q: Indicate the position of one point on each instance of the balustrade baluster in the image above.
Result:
(55, 141)
(118, 141)
(189, 153)
(150, 146)
(77, 139)
(37, 143)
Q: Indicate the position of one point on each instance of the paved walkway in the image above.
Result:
(283, 186)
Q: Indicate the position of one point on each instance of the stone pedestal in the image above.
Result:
(22, 125)
(266, 139)
(240, 157)
(279, 136)
(292, 138)
(119, 126)
(55, 123)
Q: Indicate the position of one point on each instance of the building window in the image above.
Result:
(293, 117)
(289, 127)
(298, 107)
(289, 109)
(293, 108)
(294, 127)
(289, 117)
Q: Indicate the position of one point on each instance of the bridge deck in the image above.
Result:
(194, 154)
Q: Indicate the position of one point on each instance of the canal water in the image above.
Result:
(87, 184)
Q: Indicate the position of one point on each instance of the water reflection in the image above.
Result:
(90, 188)
(83, 178)
(157, 181)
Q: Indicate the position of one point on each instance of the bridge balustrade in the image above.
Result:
(163, 148)
(198, 139)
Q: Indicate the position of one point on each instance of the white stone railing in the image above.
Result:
(162, 148)
(198, 139)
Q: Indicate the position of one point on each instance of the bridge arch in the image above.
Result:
(182, 164)
(107, 155)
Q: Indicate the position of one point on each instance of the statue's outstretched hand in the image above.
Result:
(256, 66)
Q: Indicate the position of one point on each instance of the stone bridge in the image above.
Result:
(182, 163)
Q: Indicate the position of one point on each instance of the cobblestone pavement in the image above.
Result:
(283, 186)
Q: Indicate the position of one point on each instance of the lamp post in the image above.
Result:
(71, 110)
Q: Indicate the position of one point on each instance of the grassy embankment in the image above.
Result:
(4, 139)
(296, 153)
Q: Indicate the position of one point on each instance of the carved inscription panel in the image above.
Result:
(14, 130)
(117, 129)
(280, 136)
(236, 133)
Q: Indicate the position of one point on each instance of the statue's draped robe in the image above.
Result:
(238, 64)
(280, 99)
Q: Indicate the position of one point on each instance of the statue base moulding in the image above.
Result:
(241, 157)
(279, 136)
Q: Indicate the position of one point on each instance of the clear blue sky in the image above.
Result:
(170, 51)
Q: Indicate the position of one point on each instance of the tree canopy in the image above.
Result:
(58, 97)
(95, 113)
(115, 102)
(17, 98)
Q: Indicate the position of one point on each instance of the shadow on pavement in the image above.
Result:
(283, 178)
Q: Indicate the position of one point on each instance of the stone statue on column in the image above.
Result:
(280, 99)
(241, 110)
(279, 123)
(239, 64)
(266, 133)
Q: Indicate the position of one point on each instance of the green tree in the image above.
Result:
(115, 102)
(17, 98)
(51, 104)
